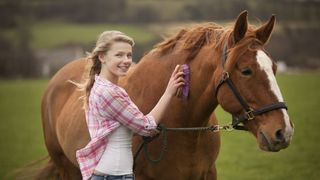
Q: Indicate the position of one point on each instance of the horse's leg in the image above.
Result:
(59, 167)
(66, 170)
(61, 146)
(72, 132)
(212, 174)
(51, 169)
(54, 99)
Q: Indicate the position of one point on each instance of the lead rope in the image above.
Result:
(163, 133)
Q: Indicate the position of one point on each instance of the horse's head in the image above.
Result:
(247, 88)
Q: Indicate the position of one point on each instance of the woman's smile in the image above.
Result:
(124, 68)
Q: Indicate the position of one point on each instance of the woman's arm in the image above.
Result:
(176, 80)
(117, 105)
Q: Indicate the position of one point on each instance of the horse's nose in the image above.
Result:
(282, 138)
(275, 139)
(279, 137)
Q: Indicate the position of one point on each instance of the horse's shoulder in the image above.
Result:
(59, 88)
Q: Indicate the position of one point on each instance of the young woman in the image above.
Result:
(110, 114)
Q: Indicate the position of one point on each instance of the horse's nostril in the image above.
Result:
(279, 136)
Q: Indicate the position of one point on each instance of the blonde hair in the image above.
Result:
(103, 44)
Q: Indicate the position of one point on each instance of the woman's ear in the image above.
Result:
(101, 57)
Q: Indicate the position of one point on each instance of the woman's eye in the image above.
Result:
(246, 72)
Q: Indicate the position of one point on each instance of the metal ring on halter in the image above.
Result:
(228, 127)
(225, 75)
(250, 115)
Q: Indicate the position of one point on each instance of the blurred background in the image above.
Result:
(37, 37)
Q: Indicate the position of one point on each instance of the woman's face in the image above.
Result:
(117, 60)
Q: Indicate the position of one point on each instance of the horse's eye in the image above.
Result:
(246, 72)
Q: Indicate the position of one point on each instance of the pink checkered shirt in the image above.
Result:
(109, 107)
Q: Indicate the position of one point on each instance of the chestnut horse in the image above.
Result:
(228, 66)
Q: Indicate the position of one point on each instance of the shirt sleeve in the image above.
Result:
(120, 107)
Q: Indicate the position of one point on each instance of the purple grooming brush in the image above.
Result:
(184, 91)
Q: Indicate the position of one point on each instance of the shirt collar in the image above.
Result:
(102, 81)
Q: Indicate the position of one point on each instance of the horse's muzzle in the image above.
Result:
(280, 140)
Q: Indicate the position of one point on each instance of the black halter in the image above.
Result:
(250, 113)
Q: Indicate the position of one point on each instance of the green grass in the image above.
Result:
(240, 158)
(50, 34)
(20, 131)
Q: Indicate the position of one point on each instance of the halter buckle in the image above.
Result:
(225, 76)
(250, 114)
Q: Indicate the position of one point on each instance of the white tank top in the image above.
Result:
(117, 159)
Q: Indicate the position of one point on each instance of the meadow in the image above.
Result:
(52, 34)
(21, 134)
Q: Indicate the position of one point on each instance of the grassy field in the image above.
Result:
(240, 158)
(21, 131)
(51, 34)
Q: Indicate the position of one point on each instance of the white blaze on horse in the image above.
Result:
(228, 66)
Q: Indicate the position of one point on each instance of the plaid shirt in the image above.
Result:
(109, 107)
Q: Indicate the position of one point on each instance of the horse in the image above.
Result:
(228, 67)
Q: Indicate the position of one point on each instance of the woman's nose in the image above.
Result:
(127, 60)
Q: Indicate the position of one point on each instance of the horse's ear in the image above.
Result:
(263, 33)
(241, 26)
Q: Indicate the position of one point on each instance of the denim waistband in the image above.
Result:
(111, 176)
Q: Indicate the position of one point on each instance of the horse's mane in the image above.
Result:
(194, 38)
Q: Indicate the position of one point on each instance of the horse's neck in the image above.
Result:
(202, 97)
(148, 80)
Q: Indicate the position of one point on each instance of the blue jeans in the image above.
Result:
(112, 177)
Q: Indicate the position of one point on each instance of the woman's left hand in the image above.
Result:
(175, 82)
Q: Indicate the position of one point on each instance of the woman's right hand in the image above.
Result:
(176, 81)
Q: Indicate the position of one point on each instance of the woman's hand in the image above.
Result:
(176, 81)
